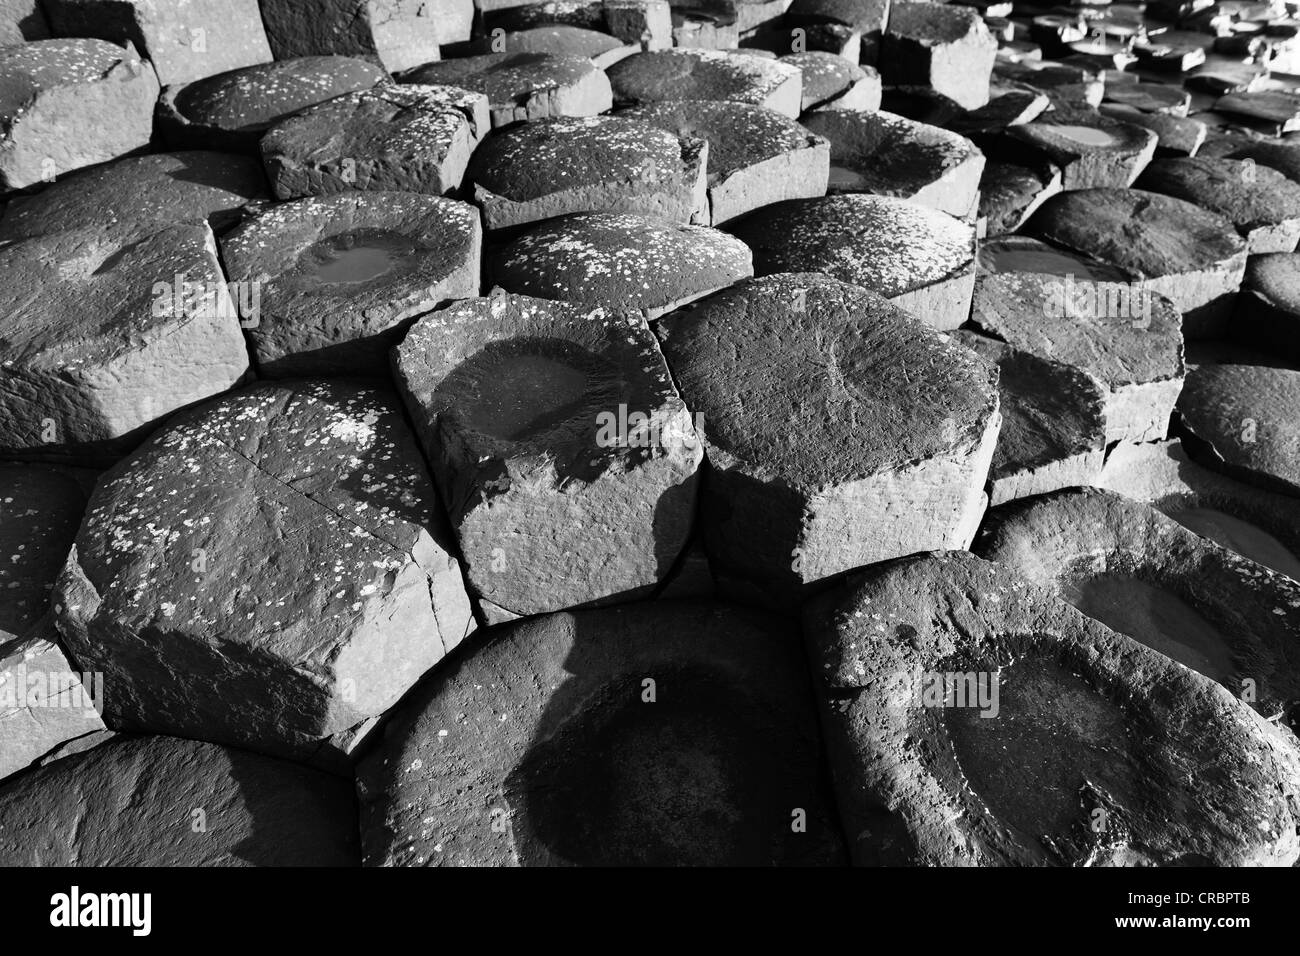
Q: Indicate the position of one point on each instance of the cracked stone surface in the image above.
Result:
(922, 413)
(161, 801)
(481, 767)
(319, 489)
(559, 442)
(921, 783)
(340, 278)
(401, 34)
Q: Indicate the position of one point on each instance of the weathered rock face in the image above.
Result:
(22, 21)
(621, 262)
(184, 39)
(400, 33)
(832, 82)
(108, 329)
(161, 801)
(338, 278)
(553, 167)
(1090, 149)
(946, 48)
(524, 86)
(669, 734)
(272, 570)
(1244, 420)
(562, 40)
(65, 104)
(1261, 525)
(1175, 135)
(934, 669)
(1268, 310)
(1145, 575)
(670, 75)
(405, 138)
(890, 155)
(922, 415)
(162, 188)
(919, 258)
(1193, 257)
(1053, 431)
(558, 440)
(756, 156)
(231, 111)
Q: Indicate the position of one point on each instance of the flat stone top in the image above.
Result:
(934, 23)
(888, 245)
(1083, 132)
(254, 97)
(76, 299)
(1275, 276)
(42, 64)
(739, 134)
(809, 381)
(889, 149)
(504, 76)
(697, 75)
(824, 74)
(414, 120)
(1026, 254)
(1146, 233)
(625, 260)
(548, 155)
(162, 187)
(561, 38)
(860, 14)
(1239, 190)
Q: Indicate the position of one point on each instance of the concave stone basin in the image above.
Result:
(690, 779)
(1087, 135)
(843, 177)
(519, 388)
(1053, 736)
(361, 255)
(1159, 619)
(1043, 260)
(1240, 536)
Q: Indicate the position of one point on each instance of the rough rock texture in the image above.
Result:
(669, 75)
(1090, 149)
(65, 104)
(162, 188)
(756, 156)
(647, 22)
(339, 277)
(921, 259)
(1192, 256)
(620, 261)
(947, 48)
(1276, 110)
(161, 801)
(1261, 525)
(524, 86)
(272, 570)
(232, 110)
(821, 359)
(831, 81)
(1143, 574)
(562, 39)
(1175, 135)
(1280, 155)
(921, 783)
(22, 21)
(1009, 193)
(1268, 309)
(184, 39)
(676, 733)
(400, 33)
(865, 18)
(403, 138)
(554, 167)
(1053, 422)
(105, 331)
(879, 152)
(559, 443)
(1127, 338)
(1261, 202)
(1244, 420)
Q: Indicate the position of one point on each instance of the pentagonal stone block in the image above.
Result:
(184, 39)
(231, 111)
(403, 138)
(161, 801)
(621, 262)
(974, 720)
(553, 167)
(400, 33)
(921, 259)
(339, 277)
(669, 75)
(560, 444)
(272, 571)
(1090, 149)
(787, 512)
(756, 156)
(69, 104)
(668, 734)
(110, 329)
(945, 48)
(161, 188)
(832, 82)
